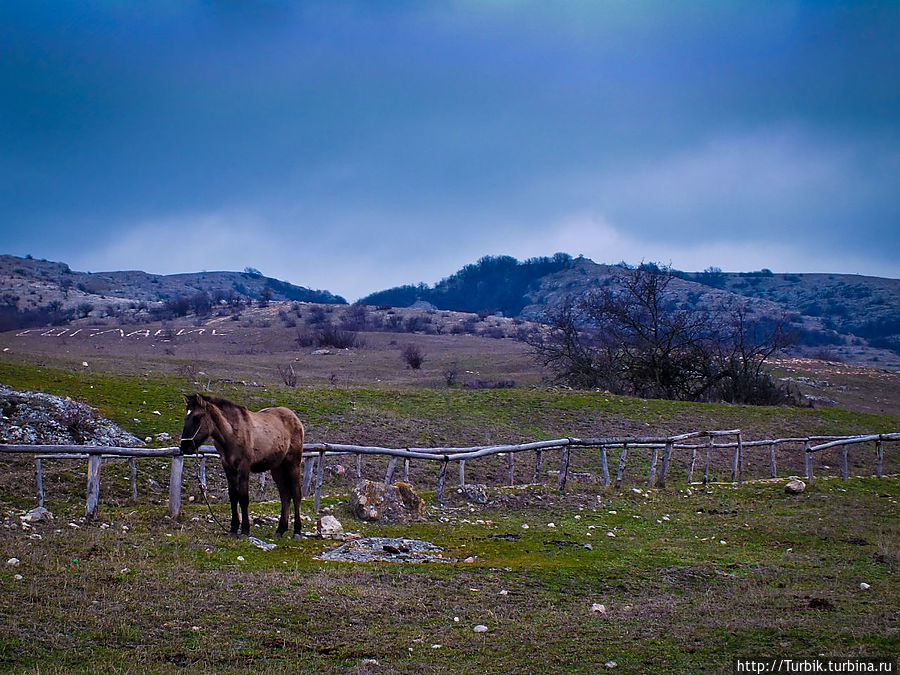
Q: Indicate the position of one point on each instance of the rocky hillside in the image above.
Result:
(40, 292)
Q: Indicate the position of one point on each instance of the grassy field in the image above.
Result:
(691, 577)
(689, 581)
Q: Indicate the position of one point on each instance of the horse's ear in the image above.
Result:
(192, 400)
(201, 400)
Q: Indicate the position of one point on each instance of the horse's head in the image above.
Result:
(198, 425)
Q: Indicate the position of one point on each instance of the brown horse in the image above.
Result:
(268, 440)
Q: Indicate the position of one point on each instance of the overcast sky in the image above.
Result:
(353, 146)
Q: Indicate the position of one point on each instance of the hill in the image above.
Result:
(841, 316)
(40, 292)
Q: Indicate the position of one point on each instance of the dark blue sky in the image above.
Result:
(357, 145)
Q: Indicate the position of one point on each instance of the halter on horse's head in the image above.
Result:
(197, 424)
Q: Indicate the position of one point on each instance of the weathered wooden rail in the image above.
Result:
(661, 447)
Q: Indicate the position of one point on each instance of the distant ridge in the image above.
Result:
(37, 292)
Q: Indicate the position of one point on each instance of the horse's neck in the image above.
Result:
(223, 430)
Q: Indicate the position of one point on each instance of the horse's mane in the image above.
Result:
(220, 402)
(228, 408)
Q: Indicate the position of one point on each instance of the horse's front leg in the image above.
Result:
(233, 498)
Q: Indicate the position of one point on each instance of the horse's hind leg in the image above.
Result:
(282, 481)
(295, 471)
(243, 485)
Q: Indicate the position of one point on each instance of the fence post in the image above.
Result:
(604, 465)
(261, 486)
(664, 465)
(442, 478)
(406, 470)
(358, 466)
(392, 464)
(845, 469)
(808, 461)
(201, 473)
(462, 473)
(563, 469)
(132, 470)
(320, 475)
(620, 474)
(538, 463)
(740, 456)
(511, 467)
(39, 479)
(735, 462)
(879, 459)
(309, 463)
(175, 486)
(651, 477)
(706, 465)
(693, 462)
(93, 487)
(772, 461)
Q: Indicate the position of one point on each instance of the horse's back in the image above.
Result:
(291, 424)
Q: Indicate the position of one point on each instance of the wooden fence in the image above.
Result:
(662, 449)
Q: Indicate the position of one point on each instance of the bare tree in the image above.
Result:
(635, 337)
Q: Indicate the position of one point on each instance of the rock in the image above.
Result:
(398, 503)
(259, 543)
(412, 502)
(33, 418)
(470, 559)
(329, 527)
(597, 608)
(372, 549)
(475, 493)
(13, 562)
(610, 664)
(863, 586)
(38, 515)
(795, 486)
(480, 628)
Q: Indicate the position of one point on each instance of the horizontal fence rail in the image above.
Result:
(662, 448)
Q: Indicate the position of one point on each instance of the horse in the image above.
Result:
(268, 440)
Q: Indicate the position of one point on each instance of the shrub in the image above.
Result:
(413, 355)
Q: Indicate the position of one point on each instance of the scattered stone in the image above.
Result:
(240, 558)
(329, 527)
(863, 586)
(470, 559)
(480, 628)
(13, 562)
(18, 577)
(38, 515)
(610, 664)
(795, 486)
(475, 493)
(597, 608)
(259, 543)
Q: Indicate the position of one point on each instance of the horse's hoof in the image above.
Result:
(233, 535)
(297, 535)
